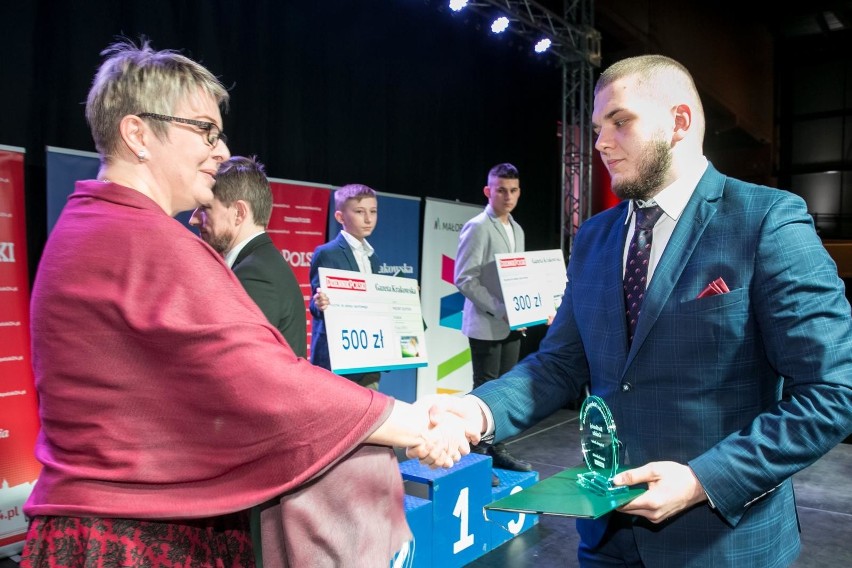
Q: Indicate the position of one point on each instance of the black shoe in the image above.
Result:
(495, 481)
(504, 460)
(479, 449)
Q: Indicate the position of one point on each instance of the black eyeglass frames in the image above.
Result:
(214, 133)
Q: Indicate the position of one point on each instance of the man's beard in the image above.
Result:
(219, 243)
(654, 166)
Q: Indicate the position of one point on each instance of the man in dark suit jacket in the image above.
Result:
(356, 209)
(234, 224)
(739, 374)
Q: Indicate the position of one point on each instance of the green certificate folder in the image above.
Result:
(561, 495)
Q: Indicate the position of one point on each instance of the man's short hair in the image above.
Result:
(659, 78)
(133, 80)
(245, 178)
(505, 171)
(356, 191)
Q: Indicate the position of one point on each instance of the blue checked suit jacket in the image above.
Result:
(747, 387)
(334, 254)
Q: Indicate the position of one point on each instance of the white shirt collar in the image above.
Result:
(673, 199)
(232, 254)
(361, 246)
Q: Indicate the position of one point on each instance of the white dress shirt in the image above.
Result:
(672, 200)
(362, 250)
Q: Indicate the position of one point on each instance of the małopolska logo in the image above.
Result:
(396, 269)
(446, 226)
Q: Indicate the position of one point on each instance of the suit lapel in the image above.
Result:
(613, 276)
(496, 229)
(691, 225)
(519, 235)
(347, 252)
(374, 263)
(250, 247)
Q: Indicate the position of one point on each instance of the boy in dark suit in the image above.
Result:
(356, 209)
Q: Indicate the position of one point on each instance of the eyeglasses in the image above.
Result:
(214, 133)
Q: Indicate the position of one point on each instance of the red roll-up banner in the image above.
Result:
(299, 225)
(18, 412)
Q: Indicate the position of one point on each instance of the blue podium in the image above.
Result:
(445, 510)
(418, 513)
(506, 525)
(460, 533)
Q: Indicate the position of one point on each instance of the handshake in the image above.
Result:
(448, 426)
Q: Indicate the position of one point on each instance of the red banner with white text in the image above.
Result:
(297, 227)
(18, 413)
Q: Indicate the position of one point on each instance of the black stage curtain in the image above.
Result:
(402, 95)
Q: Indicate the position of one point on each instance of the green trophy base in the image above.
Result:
(600, 484)
(562, 495)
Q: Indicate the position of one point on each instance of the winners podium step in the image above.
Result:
(444, 508)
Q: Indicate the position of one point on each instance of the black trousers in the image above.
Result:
(490, 359)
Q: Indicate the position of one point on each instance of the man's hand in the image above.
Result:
(445, 440)
(672, 488)
(464, 407)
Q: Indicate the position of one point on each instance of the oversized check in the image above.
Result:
(373, 322)
(533, 284)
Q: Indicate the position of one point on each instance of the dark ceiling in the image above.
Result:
(624, 30)
(798, 18)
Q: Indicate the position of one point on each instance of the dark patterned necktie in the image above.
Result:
(636, 268)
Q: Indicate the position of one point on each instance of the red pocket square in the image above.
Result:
(718, 286)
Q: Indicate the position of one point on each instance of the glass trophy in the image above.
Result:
(600, 448)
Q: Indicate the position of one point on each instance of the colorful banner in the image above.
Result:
(449, 369)
(18, 405)
(396, 239)
(297, 227)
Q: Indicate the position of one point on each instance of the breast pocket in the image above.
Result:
(717, 302)
(716, 328)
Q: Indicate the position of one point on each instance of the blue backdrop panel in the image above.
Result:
(64, 168)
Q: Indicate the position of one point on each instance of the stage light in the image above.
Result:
(500, 24)
(542, 45)
(456, 5)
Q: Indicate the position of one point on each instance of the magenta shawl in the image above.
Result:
(163, 391)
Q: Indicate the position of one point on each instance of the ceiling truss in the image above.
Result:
(578, 46)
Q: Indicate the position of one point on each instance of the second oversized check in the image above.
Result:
(373, 322)
(533, 284)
